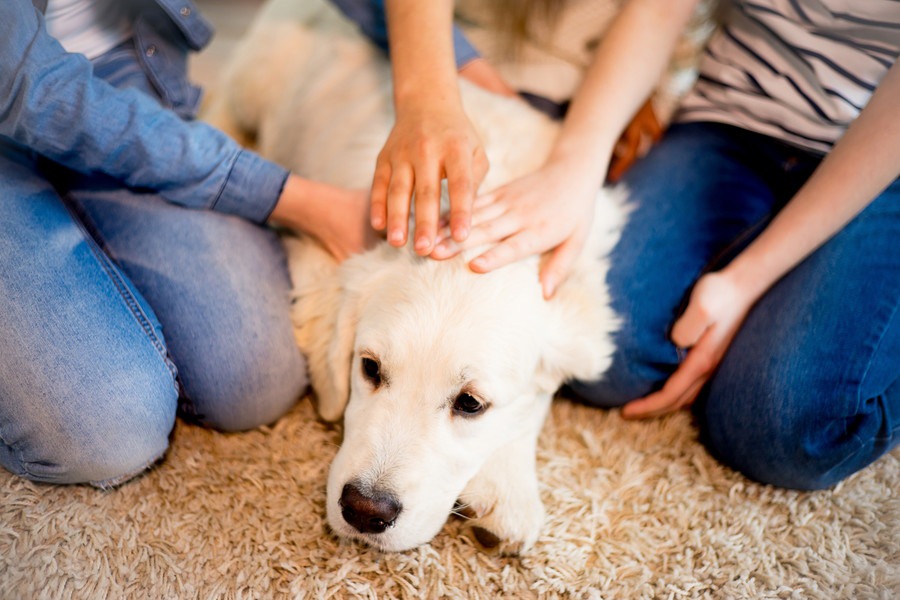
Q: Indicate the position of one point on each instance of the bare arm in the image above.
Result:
(551, 209)
(861, 165)
(432, 138)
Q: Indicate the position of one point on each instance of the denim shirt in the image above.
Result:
(52, 105)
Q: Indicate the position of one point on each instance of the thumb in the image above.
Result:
(689, 328)
(558, 264)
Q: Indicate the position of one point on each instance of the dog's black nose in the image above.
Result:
(368, 513)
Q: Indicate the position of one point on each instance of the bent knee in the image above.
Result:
(770, 440)
(100, 447)
(255, 389)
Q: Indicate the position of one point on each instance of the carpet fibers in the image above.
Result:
(634, 510)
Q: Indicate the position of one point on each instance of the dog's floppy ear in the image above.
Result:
(580, 331)
(328, 303)
(325, 319)
(582, 322)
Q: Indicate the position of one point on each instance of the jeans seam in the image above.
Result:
(134, 307)
(878, 344)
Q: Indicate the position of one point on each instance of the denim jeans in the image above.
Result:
(809, 391)
(117, 308)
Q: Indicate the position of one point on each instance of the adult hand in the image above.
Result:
(425, 146)
(715, 312)
(640, 134)
(549, 210)
(335, 216)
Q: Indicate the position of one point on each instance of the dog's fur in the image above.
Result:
(318, 98)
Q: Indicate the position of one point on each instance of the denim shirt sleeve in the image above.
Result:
(51, 103)
(369, 16)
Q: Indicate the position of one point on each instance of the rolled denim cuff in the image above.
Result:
(252, 188)
(463, 50)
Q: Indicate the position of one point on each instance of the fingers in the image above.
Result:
(690, 326)
(399, 191)
(378, 198)
(461, 185)
(683, 386)
(559, 264)
(661, 403)
(428, 207)
(493, 225)
(515, 247)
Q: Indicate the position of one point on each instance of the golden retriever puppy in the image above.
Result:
(443, 377)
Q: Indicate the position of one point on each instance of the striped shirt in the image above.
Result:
(796, 70)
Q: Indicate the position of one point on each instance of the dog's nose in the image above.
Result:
(368, 514)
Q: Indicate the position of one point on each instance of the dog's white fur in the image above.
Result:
(318, 98)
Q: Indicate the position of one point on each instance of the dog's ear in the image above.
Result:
(328, 303)
(580, 329)
(325, 318)
(331, 380)
(582, 322)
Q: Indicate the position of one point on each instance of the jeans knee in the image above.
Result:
(785, 438)
(100, 447)
(254, 389)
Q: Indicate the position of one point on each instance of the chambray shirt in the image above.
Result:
(52, 105)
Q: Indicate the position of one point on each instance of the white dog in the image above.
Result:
(443, 377)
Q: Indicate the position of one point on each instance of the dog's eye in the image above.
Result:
(467, 405)
(371, 370)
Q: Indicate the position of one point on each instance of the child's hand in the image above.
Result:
(335, 216)
(427, 145)
(549, 211)
(715, 312)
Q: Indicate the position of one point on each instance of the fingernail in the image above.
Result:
(460, 233)
(377, 222)
(396, 237)
(548, 290)
(479, 263)
(422, 243)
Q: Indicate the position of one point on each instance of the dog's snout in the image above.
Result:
(371, 513)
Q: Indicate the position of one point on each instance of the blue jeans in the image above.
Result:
(118, 308)
(809, 391)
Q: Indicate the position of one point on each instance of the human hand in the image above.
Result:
(424, 147)
(640, 134)
(715, 311)
(335, 216)
(549, 210)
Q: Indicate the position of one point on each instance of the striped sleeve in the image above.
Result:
(797, 70)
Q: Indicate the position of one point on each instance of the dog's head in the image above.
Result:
(435, 370)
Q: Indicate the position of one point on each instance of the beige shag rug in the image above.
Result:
(635, 510)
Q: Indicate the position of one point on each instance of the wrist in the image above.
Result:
(427, 95)
(293, 205)
(748, 277)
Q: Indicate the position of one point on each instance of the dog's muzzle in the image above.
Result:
(371, 513)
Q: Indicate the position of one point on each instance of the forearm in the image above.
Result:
(627, 66)
(861, 165)
(422, 56)
(369, 16)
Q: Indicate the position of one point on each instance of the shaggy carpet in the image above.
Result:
(635, 510)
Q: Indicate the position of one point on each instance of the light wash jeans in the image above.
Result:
(117, 308)
(809, 391)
